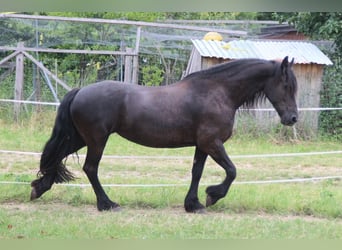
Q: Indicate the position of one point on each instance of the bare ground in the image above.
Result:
(91, 210)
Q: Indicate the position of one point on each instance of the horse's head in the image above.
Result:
(282, 93)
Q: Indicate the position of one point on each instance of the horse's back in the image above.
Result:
(152, 116)
(96, 106)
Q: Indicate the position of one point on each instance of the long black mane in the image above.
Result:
(236, 70)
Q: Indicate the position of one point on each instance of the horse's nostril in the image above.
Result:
(294, 119)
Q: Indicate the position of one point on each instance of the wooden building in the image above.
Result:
(281, 32)
(309, 63)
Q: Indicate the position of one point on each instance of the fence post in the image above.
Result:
(128, 66)
(19, 81)
(136, 57)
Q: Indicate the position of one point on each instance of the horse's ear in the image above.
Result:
(291, 63)
(284, 64)
(284, 68)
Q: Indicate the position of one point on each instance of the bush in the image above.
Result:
(152, 75)
(331, 96)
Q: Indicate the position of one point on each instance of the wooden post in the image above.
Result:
(48, 72)
(135, 69)
(37, 87)
(128, 66)
(19, 81)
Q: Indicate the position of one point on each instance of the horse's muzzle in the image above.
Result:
(289, 119)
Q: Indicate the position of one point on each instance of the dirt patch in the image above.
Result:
(90, 210)
(30, 207)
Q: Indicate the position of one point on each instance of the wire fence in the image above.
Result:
(147, 157)
(160, 185)
(242, 109)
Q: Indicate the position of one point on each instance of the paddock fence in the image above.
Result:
(161, 185)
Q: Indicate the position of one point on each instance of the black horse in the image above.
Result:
(197, 111)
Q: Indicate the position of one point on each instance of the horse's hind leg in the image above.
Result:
(41, 185)
(90, 167)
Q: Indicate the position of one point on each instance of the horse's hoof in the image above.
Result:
(110, 206)
(200, 211)
(116, 209)
(33, 194)
(209, 201)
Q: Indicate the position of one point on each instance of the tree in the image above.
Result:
(317, 25)
(326, 26)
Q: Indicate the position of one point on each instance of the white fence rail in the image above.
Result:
(258, 109)
(156, 185)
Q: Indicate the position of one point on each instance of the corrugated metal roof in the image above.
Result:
(302, 52)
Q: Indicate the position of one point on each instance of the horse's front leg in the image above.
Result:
(191, 203)
(218, 153)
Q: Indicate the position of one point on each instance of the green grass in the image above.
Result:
(269, 211)
(55, 220)
(308, 210)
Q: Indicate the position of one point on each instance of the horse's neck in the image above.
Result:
(243, 91)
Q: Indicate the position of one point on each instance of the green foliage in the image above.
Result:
(14, 32)
(212, 15)
(320, 25)
(331, 96)
(316, 25)
(152, 75)
(324, 26)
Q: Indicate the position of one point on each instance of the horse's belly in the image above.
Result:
(159, 138)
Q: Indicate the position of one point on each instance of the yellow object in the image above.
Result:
(226, 46)
(214, 36)
(41, 38)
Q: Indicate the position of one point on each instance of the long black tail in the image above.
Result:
(64, 140)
